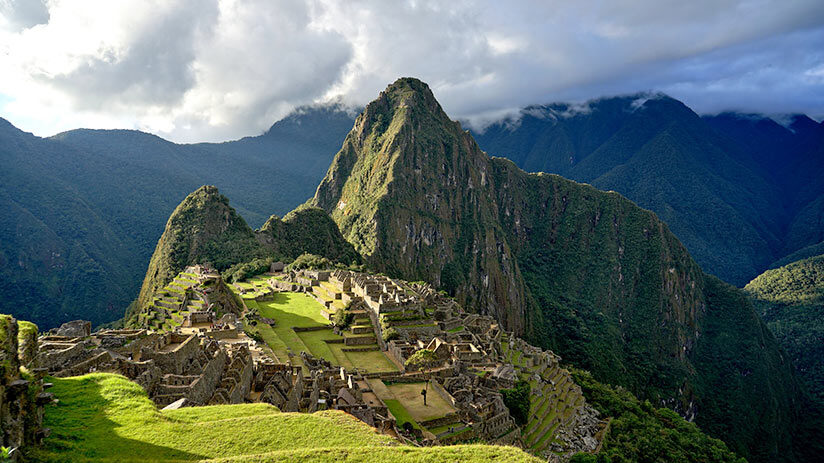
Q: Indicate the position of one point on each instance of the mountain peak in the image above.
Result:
(199, 230)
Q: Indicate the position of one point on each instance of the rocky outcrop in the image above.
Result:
(203, 228)
(74, 329)
(21, 391)
(410, 190)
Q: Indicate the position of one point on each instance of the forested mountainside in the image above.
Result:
(740, 191)
(83, 209)
(791, 301)
(583, 272)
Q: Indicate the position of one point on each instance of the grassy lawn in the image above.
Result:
(400, 413)
(315, 341)
(105, 417)
(300, 310)
(371, 361)
(409, 394)
(293, 309)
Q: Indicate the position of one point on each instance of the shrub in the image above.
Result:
(517, 401)
(390, 334)
(343, 318)
(309, 261)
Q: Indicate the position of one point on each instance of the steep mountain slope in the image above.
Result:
(791, 301)
(83, 210)
(722, 183)
(205, 229)
(792, 156)
(410, 191)
(583, 272)
(60, 256)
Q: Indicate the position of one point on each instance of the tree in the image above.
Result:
(425, 360)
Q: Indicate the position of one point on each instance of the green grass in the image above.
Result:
(400, 413)
(300, 310)
(371, 361)
(409, 394)
(105, 417)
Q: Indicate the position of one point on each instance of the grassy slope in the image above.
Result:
(105, 417)
(791, 301)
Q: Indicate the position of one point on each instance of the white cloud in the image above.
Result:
(197, 70)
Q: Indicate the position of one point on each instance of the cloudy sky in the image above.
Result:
(209, 70)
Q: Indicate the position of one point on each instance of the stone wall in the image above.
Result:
(21, 396)
(201, 389)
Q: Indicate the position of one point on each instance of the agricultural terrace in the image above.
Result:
(292, 310)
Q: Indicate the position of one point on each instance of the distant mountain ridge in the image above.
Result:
(83, 209)
(722, 183)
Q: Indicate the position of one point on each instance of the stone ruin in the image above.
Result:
(473, 368)
(196, 296)
(170, 366)
(192, 365)
(22, 390)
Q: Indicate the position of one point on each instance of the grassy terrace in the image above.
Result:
(105, 417)
(301, 310)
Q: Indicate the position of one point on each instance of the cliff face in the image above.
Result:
(410, 190)
(584, 272)
(612, 288)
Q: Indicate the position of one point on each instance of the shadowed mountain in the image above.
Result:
(727, 185)
(586, 273)
(83, 209)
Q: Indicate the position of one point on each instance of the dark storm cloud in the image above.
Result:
(217, 69)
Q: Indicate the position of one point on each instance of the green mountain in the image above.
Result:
(83, 210)
(740, 191)
(205, 229)
(586, 273)
(791, 301)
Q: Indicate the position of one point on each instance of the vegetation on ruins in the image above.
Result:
(390, 334)
(343, 318)
(105, 417)
(517, 400)
(791, 301)
(424, 360)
